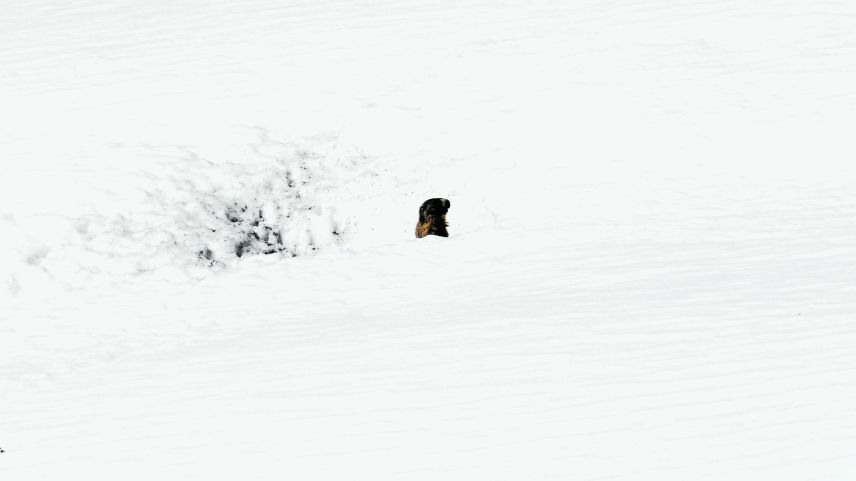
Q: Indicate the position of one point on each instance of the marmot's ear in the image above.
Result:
(446, 203)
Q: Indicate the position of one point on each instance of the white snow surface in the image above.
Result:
(651, 272)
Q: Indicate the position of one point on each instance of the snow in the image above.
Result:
(651, 271)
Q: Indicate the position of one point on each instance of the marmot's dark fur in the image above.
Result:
(432, 218)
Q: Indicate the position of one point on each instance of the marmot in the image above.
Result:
(432, 218)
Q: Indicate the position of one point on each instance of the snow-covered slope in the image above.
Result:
(651, 272)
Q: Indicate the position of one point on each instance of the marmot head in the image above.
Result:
(432, 218)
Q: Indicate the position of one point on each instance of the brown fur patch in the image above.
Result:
(422, 229)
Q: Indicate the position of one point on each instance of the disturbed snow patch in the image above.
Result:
(279, 209)
(180, 210)
(278, 198)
